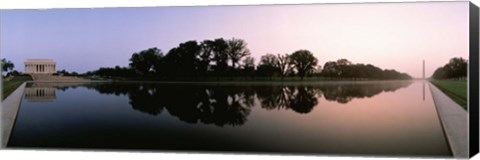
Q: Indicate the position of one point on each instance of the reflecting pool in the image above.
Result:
(360, 118)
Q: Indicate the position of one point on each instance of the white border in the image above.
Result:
(82, 155)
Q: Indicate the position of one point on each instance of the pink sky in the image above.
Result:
(389, 35)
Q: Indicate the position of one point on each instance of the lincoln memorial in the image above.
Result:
(40, 66)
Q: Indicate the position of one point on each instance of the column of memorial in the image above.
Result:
(40, 68)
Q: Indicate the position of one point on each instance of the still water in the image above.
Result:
(391, 118)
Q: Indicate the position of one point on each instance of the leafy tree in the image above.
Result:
(268, 65)
(303, 61)
(339, 68)
(248, 66)
(14, 73)
(220, 56)
(249, 62)
(143, 62)
(373, 71)
(63, 72)
(343, 62)
(237, 49)
(343, 68)
(457, 67)
(206, 56)
(182, 60)
(317, 71)
(330, 69)
(269, 60)
(7, 65)
(439, 73)
(111, 72)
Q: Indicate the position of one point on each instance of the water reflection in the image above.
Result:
(219, 105)
(46, 91)
(423, 88)
(231, 104)
(39, 94)
(300, 99)
(344, 93)
(381, 118)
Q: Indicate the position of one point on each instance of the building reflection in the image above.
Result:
(45, 91)
(39, 94)
(423, 87)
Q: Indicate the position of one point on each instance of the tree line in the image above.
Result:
(231, 58)
(7, 66)
(456, 68)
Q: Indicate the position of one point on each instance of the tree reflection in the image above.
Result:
(273, 97)
(144, 98)
(344, 93)
(230, 104)
(304, 100)
(211, 104)
(300, 99)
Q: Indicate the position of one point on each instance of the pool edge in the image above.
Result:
(454, 120)
(9, 111)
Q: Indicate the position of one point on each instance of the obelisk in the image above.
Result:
(423, 69)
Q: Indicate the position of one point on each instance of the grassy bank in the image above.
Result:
(455, 89)
(12, 84)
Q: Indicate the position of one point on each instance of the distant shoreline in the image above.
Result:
(240, 79)
(237, 81)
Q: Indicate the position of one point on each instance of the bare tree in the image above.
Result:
(283, 63)
(237, 49)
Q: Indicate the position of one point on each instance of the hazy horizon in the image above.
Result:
(388, 35)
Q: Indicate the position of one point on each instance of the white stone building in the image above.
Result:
(40, 66)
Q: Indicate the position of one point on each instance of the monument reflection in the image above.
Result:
(39, 92)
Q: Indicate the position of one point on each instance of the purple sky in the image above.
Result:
(389, 35)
